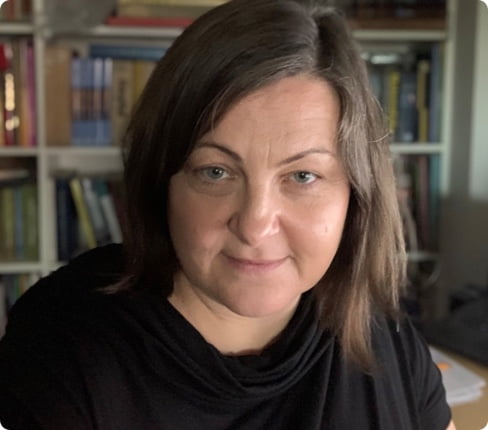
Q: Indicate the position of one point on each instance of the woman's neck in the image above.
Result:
(230, 333)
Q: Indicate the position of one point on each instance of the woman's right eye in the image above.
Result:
(214, 173)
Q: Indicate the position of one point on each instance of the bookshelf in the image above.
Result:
(89, 160)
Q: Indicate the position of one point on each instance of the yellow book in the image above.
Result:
(82, 211)
(423, 69)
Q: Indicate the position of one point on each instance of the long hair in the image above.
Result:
(224, 55)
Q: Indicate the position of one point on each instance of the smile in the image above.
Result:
(255, 265)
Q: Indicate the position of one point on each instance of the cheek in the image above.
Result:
(195, 225)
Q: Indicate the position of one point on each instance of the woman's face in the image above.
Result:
(257, 213)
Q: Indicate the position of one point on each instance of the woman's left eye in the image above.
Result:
(303, 177)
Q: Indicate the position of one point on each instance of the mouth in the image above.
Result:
(261, 265)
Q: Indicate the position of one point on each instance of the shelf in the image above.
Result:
(400, 35)
(417, 148)
(133, 32)
(18, 151)
(19, 267)
(15, 28)
(110, 151)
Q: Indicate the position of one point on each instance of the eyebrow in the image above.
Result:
(235, 156)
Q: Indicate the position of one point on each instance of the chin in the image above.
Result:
(262, 305)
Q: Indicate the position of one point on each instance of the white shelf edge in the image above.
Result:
(133, 32)
(417, 148)
(18, 151)
(15, 28)
(401, 35)
(110, 151)
(19, 267)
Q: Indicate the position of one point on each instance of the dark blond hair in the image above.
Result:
(226, 54)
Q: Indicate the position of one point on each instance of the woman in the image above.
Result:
(258, 283)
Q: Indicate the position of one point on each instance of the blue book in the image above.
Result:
(407, 107)
(87, 123)
(127, 52)
(106, 102)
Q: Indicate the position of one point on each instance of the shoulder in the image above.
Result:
(82, 276)
(404, 357)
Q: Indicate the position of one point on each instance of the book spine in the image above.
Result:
(102, 234)
(121, 98)
(59, 98)
(18, 224)
(407, 108)
(76, 101)
(106, 99)
(82, 212)
(108, 208)
(7, 223)
(30, 218)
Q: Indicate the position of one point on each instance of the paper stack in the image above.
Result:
(461, 384)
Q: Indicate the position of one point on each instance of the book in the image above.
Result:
(97, 218)
(423, 71)
(121, 98)
(10, 117)
(435, 92)
(7, 212)
(392, 82)
(406, 128)
(76, 101)
(160, 10)
(82, 212)
(30, 221)
(58, 96)
(66, 220)
(108, 208)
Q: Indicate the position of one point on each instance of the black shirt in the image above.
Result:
(74, 358)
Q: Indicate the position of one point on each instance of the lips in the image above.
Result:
(262, 265)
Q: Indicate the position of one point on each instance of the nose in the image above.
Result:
(256, 216)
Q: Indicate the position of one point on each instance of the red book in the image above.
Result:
(137, 21)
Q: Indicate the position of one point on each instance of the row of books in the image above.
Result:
(418, 189)
(89, 99)
(88, 213)
(18, 216)
(409, 87)
(12, 286)
(415, 14)
(16, 10)
(17, 93)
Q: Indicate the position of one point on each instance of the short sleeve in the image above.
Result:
(434, 412)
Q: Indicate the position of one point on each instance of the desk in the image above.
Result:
(471, 416)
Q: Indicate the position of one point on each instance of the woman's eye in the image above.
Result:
(214, 173)
(304, 177)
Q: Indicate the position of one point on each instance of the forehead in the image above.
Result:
(297, 110)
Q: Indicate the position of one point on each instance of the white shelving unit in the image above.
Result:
(49, 159)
